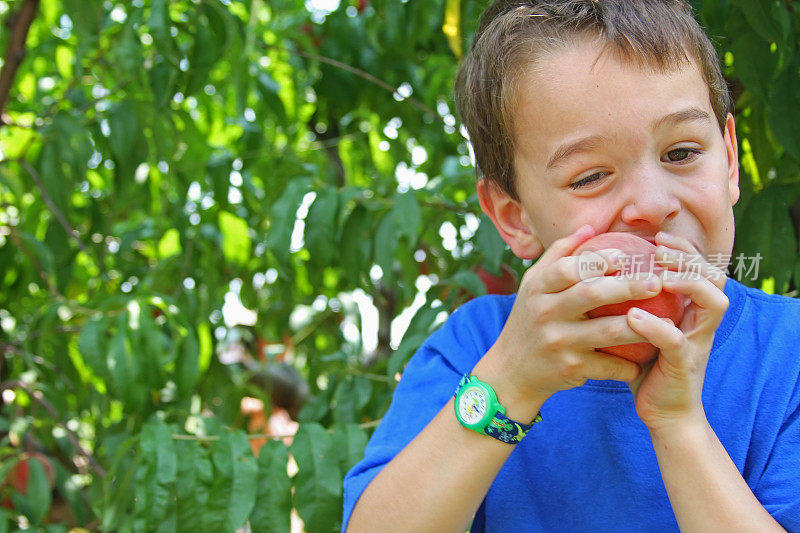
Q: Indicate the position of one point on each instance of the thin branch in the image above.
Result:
(361, 74)
(53, 207)
(35, 335)
(46, 278)
(38, 360)
(15, 52)
(73, 438)
(267, 436)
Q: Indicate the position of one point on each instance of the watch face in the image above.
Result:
(472, 405)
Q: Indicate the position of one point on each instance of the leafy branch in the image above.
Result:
(361, 74)
(53, 412)
(52, 206)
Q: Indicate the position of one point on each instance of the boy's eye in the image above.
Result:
(679, 155)
(586, 181)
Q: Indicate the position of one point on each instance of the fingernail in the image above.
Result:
(651, 284)
(637, 313)
(616, 257)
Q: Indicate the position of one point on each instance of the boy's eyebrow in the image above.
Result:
(591, 142)
(585, 144)
(684, 115)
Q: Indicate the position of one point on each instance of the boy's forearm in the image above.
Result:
(435, 484)
(439, 480)
(705, 488)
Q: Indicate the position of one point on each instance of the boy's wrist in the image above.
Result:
(520, 404)
(687, 429)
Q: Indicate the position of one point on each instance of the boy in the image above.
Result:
(592, 116)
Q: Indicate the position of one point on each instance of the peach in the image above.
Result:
(665, 304)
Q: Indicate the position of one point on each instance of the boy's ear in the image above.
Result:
(510, 220)
(732, 148)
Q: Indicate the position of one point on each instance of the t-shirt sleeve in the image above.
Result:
(427, 383)
(778, 489)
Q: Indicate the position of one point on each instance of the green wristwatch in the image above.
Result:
(478, 409)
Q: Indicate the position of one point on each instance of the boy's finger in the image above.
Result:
(602, 366)
(674, 241)
(592, 293)
(702, 291)
(567, 271)
(605, 331)
(566, 245)
(691, 265)
(667, 338)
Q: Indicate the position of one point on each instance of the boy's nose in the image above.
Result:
(649, 200)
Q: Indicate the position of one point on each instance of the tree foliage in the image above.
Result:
(163, 160)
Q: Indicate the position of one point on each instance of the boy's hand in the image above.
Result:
(669, 391)
(548, 343)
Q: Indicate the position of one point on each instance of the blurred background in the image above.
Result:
(225, 226)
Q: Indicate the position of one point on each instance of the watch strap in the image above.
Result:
(500, 426)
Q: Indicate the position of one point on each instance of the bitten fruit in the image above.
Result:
(640, 260)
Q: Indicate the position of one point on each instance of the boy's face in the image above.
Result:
(623, 148)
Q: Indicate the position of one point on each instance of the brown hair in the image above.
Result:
(512, 34)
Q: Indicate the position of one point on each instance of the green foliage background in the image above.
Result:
(157, 155)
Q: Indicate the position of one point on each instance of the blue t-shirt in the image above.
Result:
(590, 465)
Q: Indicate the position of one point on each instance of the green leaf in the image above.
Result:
(763, 19)
(41, 252)
(408, 346)
(162, 82)
(283, 214)
(233, 491)
(191, 491)
(407, 216)
(386, 246)
(205, 53)
(784, 110)
(39, 495)
(356, 243)
(161, 469)
(269, 89)
(63, 254)
(470, 281)
(169, 244)
(74, 145)
(54, 180)
(92, 345)
(187, 369)
(318, 483)
(345, 401)
(236, 240)
(452, 27)
(125, 129)
(124, 368)
(320, 227)
(273, 506)
(159, 23)
(128, 52)
(85, 17)
(350, 441)
(766, 239)
(754, 63)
